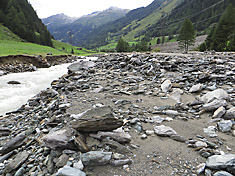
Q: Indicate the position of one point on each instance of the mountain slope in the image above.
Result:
(20, 18)
(73, 32)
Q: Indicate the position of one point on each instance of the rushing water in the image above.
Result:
(13, 97)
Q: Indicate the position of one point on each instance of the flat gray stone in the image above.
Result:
(210, 131)
(82, 65)
(219, 112)
(164, 131)
(70, 171)
(96, 158)
(18, 160)
(196, 88)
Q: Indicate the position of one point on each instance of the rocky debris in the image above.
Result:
(117, 110)
(96, 158)
(222, 173)
(196, 88)
(164, 131)
(230, 114)
(68, 171)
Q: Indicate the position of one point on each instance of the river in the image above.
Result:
(13, 97)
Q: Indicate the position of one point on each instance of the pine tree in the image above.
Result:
(224, 30)
(122, 46)
(186, 35)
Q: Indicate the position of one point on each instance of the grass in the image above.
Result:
(11, 44)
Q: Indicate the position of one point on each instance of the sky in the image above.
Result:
(77, 8)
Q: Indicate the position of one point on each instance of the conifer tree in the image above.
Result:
(186, 35)
(122, 46)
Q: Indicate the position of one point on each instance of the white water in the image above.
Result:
(13, 97)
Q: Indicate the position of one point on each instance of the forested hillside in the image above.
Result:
(202, 14)
(20, 18)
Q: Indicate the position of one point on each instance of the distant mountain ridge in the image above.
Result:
(69, 29)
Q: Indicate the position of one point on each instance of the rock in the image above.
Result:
(62, 160)
(121, 137)
(200, 144)
(225, 125)
(164, 131)
(70, 171)
(196, 88)
(79, 165)
(115, 145)
(166, 86)
(18, 160)
(4, 131)
(210, 131)
(218, 94)
(96, 158)
(121, 162)
(80, 143)
(222, 173)
(13, 82)
(201, 168)
(176, 95)
(171, 112)
(2, 73)
(219, 112)
(14, 143)
(96, 119)
(60, 139)
(82, 65)
(178, 138)
(215, 104)
(219, 162)
(149, 132)
(230, 114)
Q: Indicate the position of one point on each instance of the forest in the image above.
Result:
(20, 17)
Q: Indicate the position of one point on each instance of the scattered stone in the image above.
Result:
(201, 168)
(196, 88)
(82, 65)
(210, 131)
(69, 171)
(166, 86)
(215, 104)
(121, 162)
(222, 173)
(62, 160)
(219, 112)
(218, 94)
(164, 131)
(230, 114)
(96, 158)
(18, 160)
(79, 165)
(225, 125)
(13, 82)
(218, 162)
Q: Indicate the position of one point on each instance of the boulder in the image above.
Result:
(60, 139)
(164, 131)
(222, 173)
(96, 119)
(82, 65)
(96, 158)
(219, 162)
(215, 104)
(218, 94)
(13, 82)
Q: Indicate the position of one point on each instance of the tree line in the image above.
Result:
(20, 17)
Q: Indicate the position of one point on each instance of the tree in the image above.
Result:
(122, 46)
(186, 35)
(223, 34)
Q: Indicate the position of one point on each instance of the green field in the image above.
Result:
(11, 44)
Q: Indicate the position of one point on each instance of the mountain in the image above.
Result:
(71, 32)
(20, 17)
(58, 20)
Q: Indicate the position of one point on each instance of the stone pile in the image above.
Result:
(102, 113)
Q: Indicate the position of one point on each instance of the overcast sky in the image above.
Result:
(77, 8)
